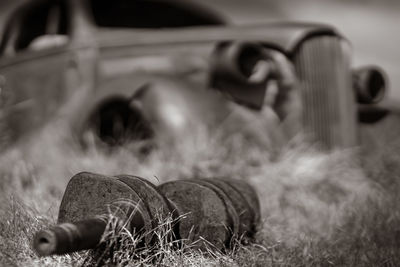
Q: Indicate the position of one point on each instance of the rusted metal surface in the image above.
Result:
(204, 214)
(207, 212)
(88, 195)
(246, 213)
(158, 206)
(250, 197)
(69, 237)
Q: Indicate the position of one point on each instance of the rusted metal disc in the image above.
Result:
(234, 221)
(242, 207)
(204, 214)
(158, 205)
(160, 208)
(89, 195)
(250, 195)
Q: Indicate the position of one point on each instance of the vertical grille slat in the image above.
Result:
(329, 113)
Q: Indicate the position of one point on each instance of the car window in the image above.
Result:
(150, 14)
(36, 26)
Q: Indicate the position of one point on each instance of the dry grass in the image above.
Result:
(340, 208)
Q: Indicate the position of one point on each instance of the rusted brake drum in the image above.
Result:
(206, 212)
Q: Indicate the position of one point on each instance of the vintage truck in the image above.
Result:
(149, 69)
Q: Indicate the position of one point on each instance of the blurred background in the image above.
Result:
(370, 25)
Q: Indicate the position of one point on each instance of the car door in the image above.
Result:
(35, 53)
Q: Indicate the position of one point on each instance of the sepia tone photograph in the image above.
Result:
(199, 133)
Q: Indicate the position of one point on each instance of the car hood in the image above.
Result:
(283, 36)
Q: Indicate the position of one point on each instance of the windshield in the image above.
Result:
(150, 14)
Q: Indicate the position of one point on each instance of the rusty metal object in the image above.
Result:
(88, 195)
(250, 197)
(87, 198)
(248, 214)
(209, 212)
(67, 237)
(235, 212)
(233, 215)
(158, 206)
(204, 213)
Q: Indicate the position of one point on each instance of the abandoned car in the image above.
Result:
(147, 69)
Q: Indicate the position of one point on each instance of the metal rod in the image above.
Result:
(69, 237)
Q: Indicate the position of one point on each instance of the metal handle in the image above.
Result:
(69, 237)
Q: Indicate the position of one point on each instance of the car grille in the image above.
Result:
(329, 115)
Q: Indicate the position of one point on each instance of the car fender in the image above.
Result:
(176, 110)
